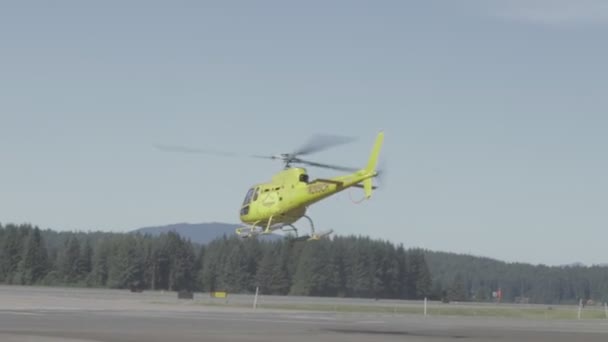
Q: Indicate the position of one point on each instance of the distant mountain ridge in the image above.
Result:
(201, 233)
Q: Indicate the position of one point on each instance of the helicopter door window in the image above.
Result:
(257, 192)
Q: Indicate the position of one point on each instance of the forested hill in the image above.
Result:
(343, 266)
(478, 277)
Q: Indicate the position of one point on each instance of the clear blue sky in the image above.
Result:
(495, 115)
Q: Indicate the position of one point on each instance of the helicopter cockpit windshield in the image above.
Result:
(251, 194)
(248, 196)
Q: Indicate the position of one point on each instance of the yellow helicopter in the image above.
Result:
(278, 204)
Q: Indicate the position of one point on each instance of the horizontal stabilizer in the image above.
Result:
(374, 187)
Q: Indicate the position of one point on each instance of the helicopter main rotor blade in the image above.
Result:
(327, 166)
(320, 142)
(194, 150)
(263, 157)
(316, 143)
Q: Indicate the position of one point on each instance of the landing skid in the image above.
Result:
(316, 236)
(313, 234)
(254, 230)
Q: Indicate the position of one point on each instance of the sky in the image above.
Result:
(494, 112)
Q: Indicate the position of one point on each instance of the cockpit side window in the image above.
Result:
(257, 192)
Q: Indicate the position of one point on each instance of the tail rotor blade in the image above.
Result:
(382, 172)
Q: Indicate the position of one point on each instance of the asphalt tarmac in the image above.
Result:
(75, 315)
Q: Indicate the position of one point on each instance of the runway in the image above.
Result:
(50, 315)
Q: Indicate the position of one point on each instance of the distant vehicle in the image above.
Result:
(136, 286)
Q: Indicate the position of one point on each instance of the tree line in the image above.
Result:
(476, 278)
(343, 266)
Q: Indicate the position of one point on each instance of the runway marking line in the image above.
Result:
(21, 313)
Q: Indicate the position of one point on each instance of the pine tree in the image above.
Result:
(198, 268)
(100, 268)
(212, 265)
(403, 273)
(70, 262)
(161, 263)
(313, 273)
(422, 275)
(126, 263)
(33, 264)
(457, 290)
(235, 277)
(86, 259)
(182, 268)
(363, 272)
(264, 277)
(281, 281)
(10, 253)
(392, 274)
(253, 253)
(377, 271)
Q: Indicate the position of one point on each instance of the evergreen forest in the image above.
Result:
(343, 266)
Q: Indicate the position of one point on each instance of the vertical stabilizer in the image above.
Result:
(370, 169)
